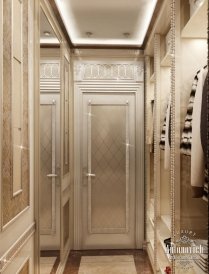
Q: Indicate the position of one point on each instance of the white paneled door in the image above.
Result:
(108, 170)
(49, 173)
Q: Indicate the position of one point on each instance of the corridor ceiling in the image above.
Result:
(47, 35)
(106, 22)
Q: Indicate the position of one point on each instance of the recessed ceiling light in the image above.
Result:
(89, 34)
(126, 34)
(47, 33)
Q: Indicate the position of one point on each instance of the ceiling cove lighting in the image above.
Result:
(89, 34)
(47, 33)
(107, 19)
(126, 34)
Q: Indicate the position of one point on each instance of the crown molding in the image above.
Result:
(108, 53)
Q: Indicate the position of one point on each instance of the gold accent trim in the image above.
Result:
(156, 140)
(173, 137)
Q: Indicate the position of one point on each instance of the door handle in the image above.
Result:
(90, 175)
(52, 175)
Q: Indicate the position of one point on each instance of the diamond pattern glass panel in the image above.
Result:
(46, 168)
(108, 160)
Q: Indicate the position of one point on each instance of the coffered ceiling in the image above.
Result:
(106, 22)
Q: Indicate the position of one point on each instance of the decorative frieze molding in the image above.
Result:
(108, 53)
(8, 257)
(109, 71)
(49, 70)
(49, 76)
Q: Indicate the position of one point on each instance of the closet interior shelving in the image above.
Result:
(167, 212)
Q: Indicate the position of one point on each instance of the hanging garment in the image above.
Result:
(204, 135)
(197, 155)
(165, 138)
(186, 140)
(162, 136)
(150, 126)
(168, 136)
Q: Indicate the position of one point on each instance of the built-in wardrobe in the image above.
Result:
(176, 172)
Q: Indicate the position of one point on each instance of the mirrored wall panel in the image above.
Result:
(15, 131)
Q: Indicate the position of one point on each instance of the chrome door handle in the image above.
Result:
(90, 175)
(52, 175)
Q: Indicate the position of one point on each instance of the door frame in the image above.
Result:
(127, 88)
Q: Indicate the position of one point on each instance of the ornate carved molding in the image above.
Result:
(94, 71)
(7, 258)
(50, 76)
(49, 70)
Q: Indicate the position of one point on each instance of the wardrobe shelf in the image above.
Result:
(163, 261)
(166, 61)
(151, 241)
(150, 251)
(152, 78)
(167, 221)
(162, 245)
(162, 266)
(162, 234)
(196, 27)
(161, 270)
(152, 201)
(151, 220)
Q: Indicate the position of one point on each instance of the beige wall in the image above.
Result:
(17, 216)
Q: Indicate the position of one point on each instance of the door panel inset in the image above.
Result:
(108, 170)
(47, 193)
(108, 159)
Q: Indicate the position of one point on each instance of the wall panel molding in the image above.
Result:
(9, 256)
(66, 95)
(12, 205)
(25, 268)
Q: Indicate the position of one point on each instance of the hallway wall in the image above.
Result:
(16, 154)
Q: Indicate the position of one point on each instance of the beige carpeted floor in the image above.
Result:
(123, 264)
(46, 264)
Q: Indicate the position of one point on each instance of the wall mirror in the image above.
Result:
(49, 183)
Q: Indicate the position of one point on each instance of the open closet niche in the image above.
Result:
(175, 52)
(158, 87)
(191, 180)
